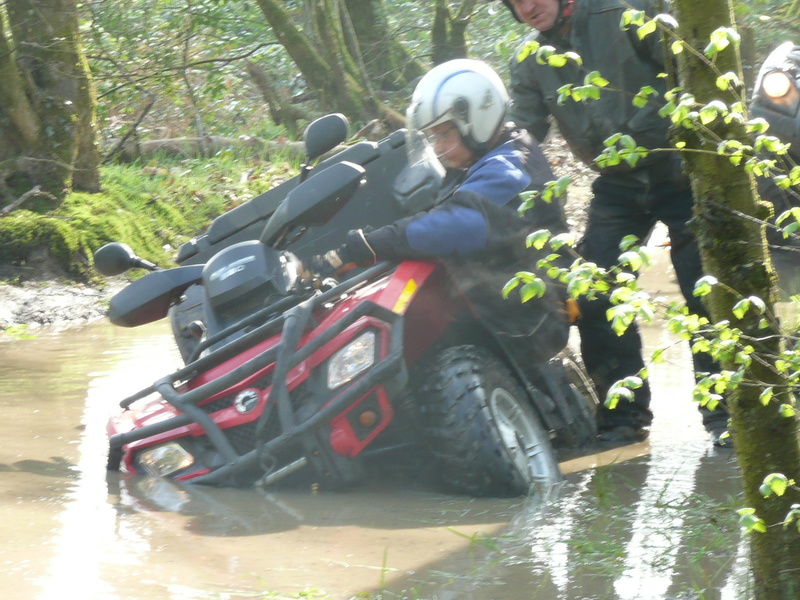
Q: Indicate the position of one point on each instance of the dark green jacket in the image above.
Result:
(627, 62)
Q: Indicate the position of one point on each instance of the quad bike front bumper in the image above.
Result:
(292, 418)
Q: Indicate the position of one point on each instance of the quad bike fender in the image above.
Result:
(419, 293)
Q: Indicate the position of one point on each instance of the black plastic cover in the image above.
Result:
(243, 274)
(148, 299)
(313, 202)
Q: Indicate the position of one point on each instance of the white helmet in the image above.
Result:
(468, 93)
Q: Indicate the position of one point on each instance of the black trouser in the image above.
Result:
(617, 211)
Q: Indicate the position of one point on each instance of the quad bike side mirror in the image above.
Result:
(324, 134)
(116, 258)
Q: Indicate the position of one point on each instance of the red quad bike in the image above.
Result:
(288, 376)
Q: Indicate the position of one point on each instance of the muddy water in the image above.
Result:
(624, 526)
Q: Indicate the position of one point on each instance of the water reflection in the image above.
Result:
(637, 522)
(89, 538)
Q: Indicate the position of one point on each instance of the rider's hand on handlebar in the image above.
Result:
(329, 264)
(356, 251)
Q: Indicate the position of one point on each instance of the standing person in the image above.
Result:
(458, 110)
(626, 200)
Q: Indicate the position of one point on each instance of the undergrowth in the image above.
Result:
(153, 207)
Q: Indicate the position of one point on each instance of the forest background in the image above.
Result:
(142, 120)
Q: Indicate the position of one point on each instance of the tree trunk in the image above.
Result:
(281, 109)
(385, 58)
(332, 79)
(47, 101)
(449, 33)
(734, 251)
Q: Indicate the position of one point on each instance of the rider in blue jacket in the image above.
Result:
(458, 111)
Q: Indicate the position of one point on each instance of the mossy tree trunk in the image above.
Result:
(329, 68)
(449, 31)
(386, 59)
(733, 250)
(47, 103)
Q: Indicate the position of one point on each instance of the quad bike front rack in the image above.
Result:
(285, 355)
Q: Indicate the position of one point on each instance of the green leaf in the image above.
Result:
(534, 289)
(537, 239)
(594, 78)
(621, 317)
(544, 53)
(646, 29)
(632, 17)
(644, 94)
(704, 285)
(792, 515)
(741, 308)
(561, 240)
(628, 242)
(758, 305)
(617, 393)
(774, 483)
(786, 410)
(720, 39)
(632, 259)
(749, 522)
(509, 287)
(728, 80)
(527, 49)
(708, 114)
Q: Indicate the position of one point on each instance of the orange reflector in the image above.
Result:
(573, 310)
(369, 418)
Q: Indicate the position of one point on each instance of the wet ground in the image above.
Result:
(641, 522)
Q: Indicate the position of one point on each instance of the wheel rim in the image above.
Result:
(522, 438)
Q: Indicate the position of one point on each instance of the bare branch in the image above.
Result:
(36, 191)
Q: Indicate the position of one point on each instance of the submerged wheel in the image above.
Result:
(479, 425)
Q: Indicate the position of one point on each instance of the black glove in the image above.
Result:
(356, 249)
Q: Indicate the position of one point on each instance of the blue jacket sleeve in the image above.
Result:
(464, 223)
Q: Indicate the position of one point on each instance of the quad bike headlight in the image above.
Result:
(165, 459)
(353, 359)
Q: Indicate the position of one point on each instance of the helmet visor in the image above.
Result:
(421, 154)
(419, 148)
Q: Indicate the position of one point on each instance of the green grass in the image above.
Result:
(153, 207)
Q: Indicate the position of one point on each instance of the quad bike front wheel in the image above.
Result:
(478, 423)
